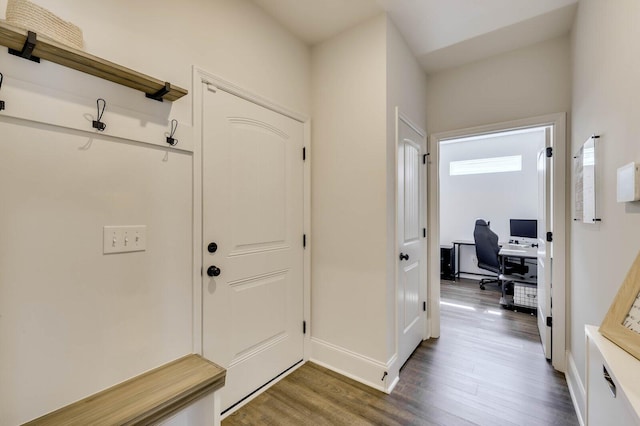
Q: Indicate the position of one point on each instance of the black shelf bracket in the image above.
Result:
(1, 80)
(160, 93)
(27, 49)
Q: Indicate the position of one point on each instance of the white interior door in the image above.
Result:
(253, 213)
(411, 246)
(544, 247)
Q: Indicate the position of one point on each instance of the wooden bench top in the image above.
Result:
(145, 399)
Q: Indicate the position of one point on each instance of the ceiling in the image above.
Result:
(441, 33)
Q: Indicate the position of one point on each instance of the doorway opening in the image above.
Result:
(503, 186)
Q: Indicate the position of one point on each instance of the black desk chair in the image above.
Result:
(487, 249)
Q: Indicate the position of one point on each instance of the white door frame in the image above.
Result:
(559, 218)
(204, 80)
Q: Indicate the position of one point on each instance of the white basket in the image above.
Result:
(29, 16)
(525, 295)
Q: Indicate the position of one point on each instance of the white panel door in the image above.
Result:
(544, 247)
(411, 261)
(253, 213)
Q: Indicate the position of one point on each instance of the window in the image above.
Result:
(479, 166)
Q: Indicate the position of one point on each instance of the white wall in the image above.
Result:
(234, 39)
(496, 197)
(407, 90)
(606, 59)
(358, 78)
(528, 82)
(74, 321)
(348, 194)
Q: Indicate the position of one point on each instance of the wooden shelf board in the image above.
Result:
(53, 51)
(145, 399)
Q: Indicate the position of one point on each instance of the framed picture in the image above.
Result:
(621, 325)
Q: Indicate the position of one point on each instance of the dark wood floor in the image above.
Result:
(487, 368)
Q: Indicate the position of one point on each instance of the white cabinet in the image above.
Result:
(612, 383)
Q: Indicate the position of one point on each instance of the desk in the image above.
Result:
(456, 253)
(512, 250)
(522, 286)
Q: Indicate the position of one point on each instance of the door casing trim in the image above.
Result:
(559, 219)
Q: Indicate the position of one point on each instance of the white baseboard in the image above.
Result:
(355, 366)
(576, 389)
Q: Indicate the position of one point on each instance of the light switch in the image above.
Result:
(124, 239)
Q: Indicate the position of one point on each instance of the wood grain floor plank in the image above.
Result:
(487, 368)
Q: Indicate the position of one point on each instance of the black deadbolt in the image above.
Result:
(213, 271)
(212, 247)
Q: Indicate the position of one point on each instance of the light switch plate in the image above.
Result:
(124, 239)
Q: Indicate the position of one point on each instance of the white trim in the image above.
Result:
(576, 389)
(433, 243)
(401, 115)
(197, 91)
(490, 135)
(307, 230)
(393, 368)
(558, 121)
(229, 87)
(127, 117)
(353, 365)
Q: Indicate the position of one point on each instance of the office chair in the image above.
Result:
(487, 250)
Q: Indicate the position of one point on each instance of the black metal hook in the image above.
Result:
(1, 80)
(97, 124)
(170, 139)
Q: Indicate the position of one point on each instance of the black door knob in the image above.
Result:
(213, 271)
(404, 256)
(212, 247)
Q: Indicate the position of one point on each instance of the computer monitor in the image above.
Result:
(523, 228)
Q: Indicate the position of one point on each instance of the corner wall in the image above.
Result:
(358, 79)
(406, 90)
(72, 320)
(606, 65)
(349, 204)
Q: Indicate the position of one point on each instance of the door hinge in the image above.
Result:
(549, 322)
(304, 240)
(424, 306)
(549, 152)
(549, 237)
(304, 327)
(304, 153)
(424, 232)
(424, 158)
